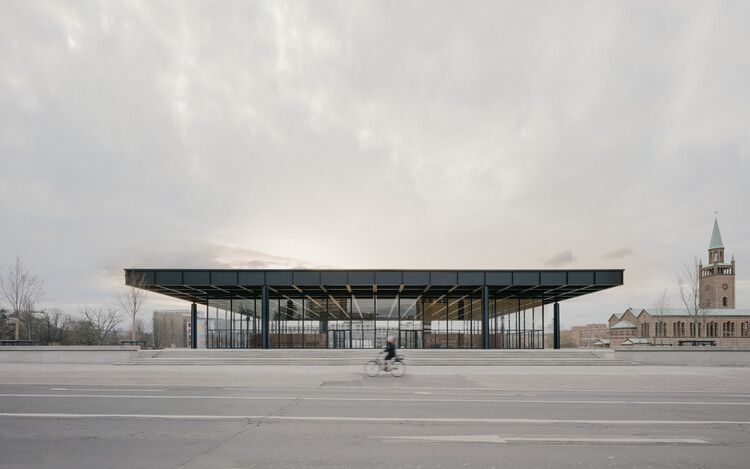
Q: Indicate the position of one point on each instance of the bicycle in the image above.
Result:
(398, 367)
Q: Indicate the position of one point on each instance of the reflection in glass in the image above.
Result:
(364, 321)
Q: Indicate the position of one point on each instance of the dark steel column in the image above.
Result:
(557, 325)
(193, 326)
(265, 326)
(485, 317)
(543, 325)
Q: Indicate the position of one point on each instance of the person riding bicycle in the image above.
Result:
(390, 352)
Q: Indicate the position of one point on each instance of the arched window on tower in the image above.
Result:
(724, 301)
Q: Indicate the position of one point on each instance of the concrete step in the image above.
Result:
(368, 352)
(417, 357)
(281, 362)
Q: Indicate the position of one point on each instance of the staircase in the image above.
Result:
(413, 357)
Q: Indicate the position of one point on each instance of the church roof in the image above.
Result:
(716, 242)
(624, 325)
(718, 312)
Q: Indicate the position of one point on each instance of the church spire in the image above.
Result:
(716, 242)
(716, 280)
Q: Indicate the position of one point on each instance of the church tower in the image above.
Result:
(717, 277)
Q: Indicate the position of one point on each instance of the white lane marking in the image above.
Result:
(107, 389)
(450, 438)
(370, 419)
(422, 392)
(382, 399)
(499, 439)
(691, 441)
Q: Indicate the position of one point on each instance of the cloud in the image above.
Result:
(560, 259)
(359, 135)
(619, 253)
(239, 258)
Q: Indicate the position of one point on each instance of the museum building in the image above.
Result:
(360, 308)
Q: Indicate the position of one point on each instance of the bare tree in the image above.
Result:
(21, 289)
(56, 326)
(132, 298)
(688, 282)
(143, 331)
(159, 332)
(7, 324)
(660, 309)
(99, 326)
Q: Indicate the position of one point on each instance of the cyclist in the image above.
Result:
(390, 352)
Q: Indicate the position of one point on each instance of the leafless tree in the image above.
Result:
(55, 327)
(688, 282)
(21, 289)
(660, 308)
(132, 297)
(99, 325)
(7, 324)
(143, 331)
(160, 333)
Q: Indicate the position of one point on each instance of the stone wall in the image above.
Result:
(67, 354)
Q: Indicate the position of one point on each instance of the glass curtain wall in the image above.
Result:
(316, 320)
(363, 324)
(386, 320)
(516, 323)
(233, 323)
(411, 323)
(452, 322)
(464, 326)
(357, 321)
(298, 322)
(339, 324)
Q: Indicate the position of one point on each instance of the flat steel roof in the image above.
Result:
(196, 285)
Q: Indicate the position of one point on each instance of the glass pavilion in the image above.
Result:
(360, 308)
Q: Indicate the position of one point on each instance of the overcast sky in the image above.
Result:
(388, 134)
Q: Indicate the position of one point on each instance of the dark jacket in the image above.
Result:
(390, 350)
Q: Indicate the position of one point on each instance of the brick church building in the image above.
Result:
(716, 322)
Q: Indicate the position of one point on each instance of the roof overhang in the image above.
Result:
(198, 286)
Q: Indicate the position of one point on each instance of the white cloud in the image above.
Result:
(373, 135)
(560, 259)
(619, 253)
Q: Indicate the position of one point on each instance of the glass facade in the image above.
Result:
(232, 323)
(365, 321)
(516, 323)
(319, 309)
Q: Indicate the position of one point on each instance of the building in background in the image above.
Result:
(716, 322)
(677, 327)
(717, 277)
(588, 335)
(171, 328)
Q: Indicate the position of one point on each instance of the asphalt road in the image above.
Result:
(67, 416)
